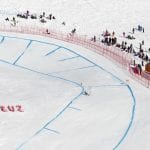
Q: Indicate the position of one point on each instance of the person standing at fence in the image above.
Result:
(73, 31)
(27, 13)
(131, 48)
(140, 47)
(113, 34)
(109, 41)
(142, 63)
(47, 31)
(14, 21)
(124, 34)
(134, 62)
(7, 19)
(94, 38)
(133, 30)
(122, 45)
(139, 69)
(50, 16)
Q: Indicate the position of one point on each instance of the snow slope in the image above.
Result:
(36, 70)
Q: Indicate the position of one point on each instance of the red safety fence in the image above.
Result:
(112, 53)
(141, 77)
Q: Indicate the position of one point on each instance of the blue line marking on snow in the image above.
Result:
(57, 77)
(108, 85)
(22, 53)
(131, 120)
(52, 130)
(74, 108)
(130, 90)
(27, 39)
(29, 44)
(19, 38)
(60, 112)
(5, 62)
(53, 51)
(72, 69)
(69, 58)
(2, 40)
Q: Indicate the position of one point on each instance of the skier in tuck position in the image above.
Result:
(85, 91)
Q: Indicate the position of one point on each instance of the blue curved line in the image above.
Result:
(122, 82)
(69, 70)
(131, 120)
(22, 53)
(69, 58)
(49, 53)
(52, 130)
(2, 40)
(74, 108)
(27, 39)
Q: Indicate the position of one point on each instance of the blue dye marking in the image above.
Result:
(29, 44)
(53, 51)
(57, 77)
(19, 38)
(2, 40)
(130, 90)
(52, 130)
(5, 62)
(131, 120)
(108, 85)
(72, 69)
(84, 67)
(26, 39)
(21, 145)
(75, 108)
(69, 58)
(22, 53)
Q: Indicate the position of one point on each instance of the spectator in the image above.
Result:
(142, 63)
(139, 69)
(124, 34)
(94, 38)
(7, 19)
(47, 31)
(43, 14)
(133, 30)
(63, 23)
(73, 31)
(143, 30)
(140, 47)
(113, 34)
(27, 13)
